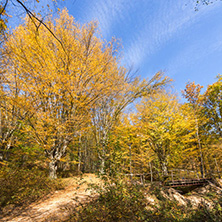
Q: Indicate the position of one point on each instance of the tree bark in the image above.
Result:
(163, 164)
(131, 179)
(102, 166)
(200, 149)
(53, 169)
(151, 172)
(164, 168)
(79, 155)
(103, 158)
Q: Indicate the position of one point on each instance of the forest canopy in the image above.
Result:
(51, 89)
(64, 108)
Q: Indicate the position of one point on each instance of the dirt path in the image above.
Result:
(57, 206)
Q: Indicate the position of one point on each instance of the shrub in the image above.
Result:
(118, 201)
(21, 185)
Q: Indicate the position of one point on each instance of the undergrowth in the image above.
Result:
(117, 201)
(19, 186)
(121, 201)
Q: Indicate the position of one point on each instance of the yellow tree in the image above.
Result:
(212, 104)
(58, 81)
(9, 124)
(124, 148)
(192, 94)
(11, 116)
(212, 127)
(108, 109)
(165, 127)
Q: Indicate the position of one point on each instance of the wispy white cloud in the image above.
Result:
(193, 54)
(156, 24)
(165, 24)
(107, 13)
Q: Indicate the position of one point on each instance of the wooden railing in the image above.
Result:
(187, 182)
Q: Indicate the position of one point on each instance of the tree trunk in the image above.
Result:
(53, 169)
(163, 164)
(79, 155)
(218, 171)
(200, 149)
(151, 172)
(103, 159)
(102, 166)
(164, 168)
(131, 179)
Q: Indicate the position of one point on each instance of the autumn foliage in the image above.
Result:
(68, 106)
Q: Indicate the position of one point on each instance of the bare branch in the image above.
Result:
(4, 7)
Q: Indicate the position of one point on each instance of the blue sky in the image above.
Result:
(166, 35)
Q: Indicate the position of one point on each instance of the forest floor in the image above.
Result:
(57, 206)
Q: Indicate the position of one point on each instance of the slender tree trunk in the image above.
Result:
(103, 158)
(151, 172)
(131, 173)
(218, 171)
(196, 168)
(79, 161)
(79, 155)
